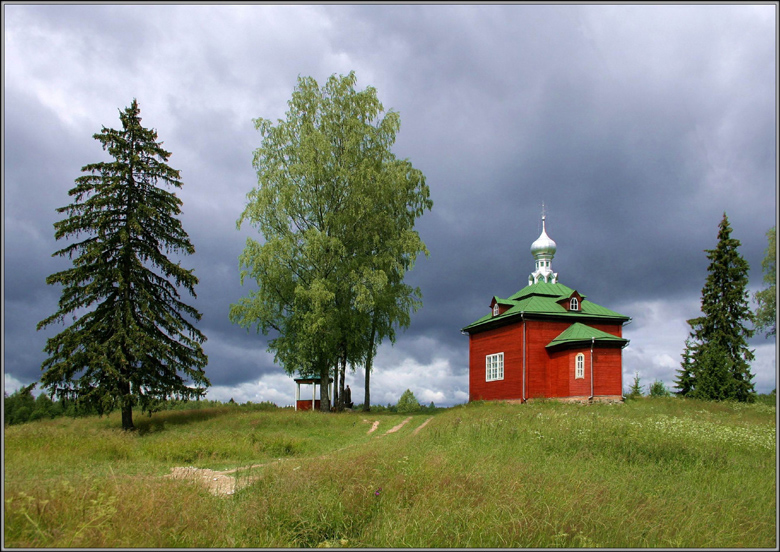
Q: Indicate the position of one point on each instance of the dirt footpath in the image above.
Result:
(225, 483)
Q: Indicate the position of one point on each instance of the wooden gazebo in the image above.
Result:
(314, 402)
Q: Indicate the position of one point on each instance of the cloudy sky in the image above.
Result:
(637, 126)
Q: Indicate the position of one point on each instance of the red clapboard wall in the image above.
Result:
(548, 373)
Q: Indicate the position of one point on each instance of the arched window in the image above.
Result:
(573, 304)
(579, 366)
(495, 310)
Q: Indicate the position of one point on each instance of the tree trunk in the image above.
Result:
(336, 395)
(127, 407)
(343, 376)
(369, 362)
(127, 417)
(367, 399)
(324, 387)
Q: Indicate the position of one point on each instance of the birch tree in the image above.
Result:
(329, 198)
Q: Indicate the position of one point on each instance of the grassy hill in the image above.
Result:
(661, 472)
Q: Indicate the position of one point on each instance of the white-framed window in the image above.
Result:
(494, 367)
(579, 366)
(495, 310)
(574, 304)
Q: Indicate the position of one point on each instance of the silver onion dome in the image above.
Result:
(543, 244)
(543, 250)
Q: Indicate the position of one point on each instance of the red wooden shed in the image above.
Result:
(546, 341)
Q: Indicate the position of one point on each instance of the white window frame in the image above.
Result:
(579, 366)
(574, 304)
(495, 310)
(494, 367)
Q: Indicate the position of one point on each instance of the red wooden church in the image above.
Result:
(546, 340)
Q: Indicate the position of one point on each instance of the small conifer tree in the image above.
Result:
(684, 381)
(407, 403)
(635, 390)
(658, 389)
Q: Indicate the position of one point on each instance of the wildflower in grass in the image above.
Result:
(378, 491)
(761, 436)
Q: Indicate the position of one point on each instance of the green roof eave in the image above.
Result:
(581, 333)
(511, 314)
(486, 318)
(542, 288)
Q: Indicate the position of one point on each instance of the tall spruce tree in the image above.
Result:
(719, 337)
(131, 341)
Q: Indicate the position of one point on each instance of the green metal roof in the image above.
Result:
(579, 332)
(542, 299)
(542, 288)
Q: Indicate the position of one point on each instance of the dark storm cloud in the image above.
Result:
(616, 166)
(638, 126)
(117, 32)
(38, 171)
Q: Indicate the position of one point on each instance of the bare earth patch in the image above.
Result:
(217, 483)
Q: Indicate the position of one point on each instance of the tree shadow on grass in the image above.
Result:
(159, 420)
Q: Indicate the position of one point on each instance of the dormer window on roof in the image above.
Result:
(495, 310)
(574, 304)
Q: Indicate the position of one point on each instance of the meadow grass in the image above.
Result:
(661, 472)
